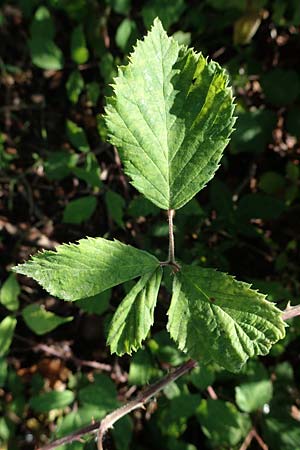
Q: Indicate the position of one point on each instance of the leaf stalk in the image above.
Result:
(171, 261)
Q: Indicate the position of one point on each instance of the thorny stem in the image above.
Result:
(171, 261)
(143, 398)
(290, 312)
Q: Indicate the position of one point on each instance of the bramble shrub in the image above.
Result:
(171, 116)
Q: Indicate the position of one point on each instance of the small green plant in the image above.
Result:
(171, 116)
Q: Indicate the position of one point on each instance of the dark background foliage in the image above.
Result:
(60, 181)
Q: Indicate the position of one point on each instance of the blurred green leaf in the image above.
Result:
(260, 206)
(202, 377)
(293, 171)
(79, 51)
(253, 131)
(281, 86)
(291, 193)
(45, 53)
(168, 12)
(41, 321)
(271, 182)
(77, 10)
(97, 304)
(192, 208)
(253, 395)
(93, 92)
(293, 121)
(74, 86)
(9, 293)
(175, 444)
(80, 210)
(126, 35)
(173, 417)
(165, 350)
(183, 38)
(75, 420)
(221, 198)
(77, 137)
(115, 204)
(172, 390)
(90, 172)
(51, 400)
(7, 429)
(108, 67)
(284, 373)
(122, 433)
(7, 328)
(282, 433)
(223, 5)
(245, 27)
(59, 164)
(141, 368)
(222, 423)
(42, 24)
(102, 393)
(3, 371)
(141, 206)
(120, 6)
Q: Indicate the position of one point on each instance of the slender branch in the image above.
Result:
(290, 312)
(141, 399)
(139, 402)
(75, 436)
(64, 355)
(259, 440)
(212, 393)
(146, 395)
(248, 439)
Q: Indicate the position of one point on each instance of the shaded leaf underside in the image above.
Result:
(135, 315)
(170, 117)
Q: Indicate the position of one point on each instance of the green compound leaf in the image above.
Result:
(94, 265)
(213, 317)
(170, 117)
(135, 315)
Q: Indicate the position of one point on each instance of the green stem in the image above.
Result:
(171, 261)
(171, 258)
